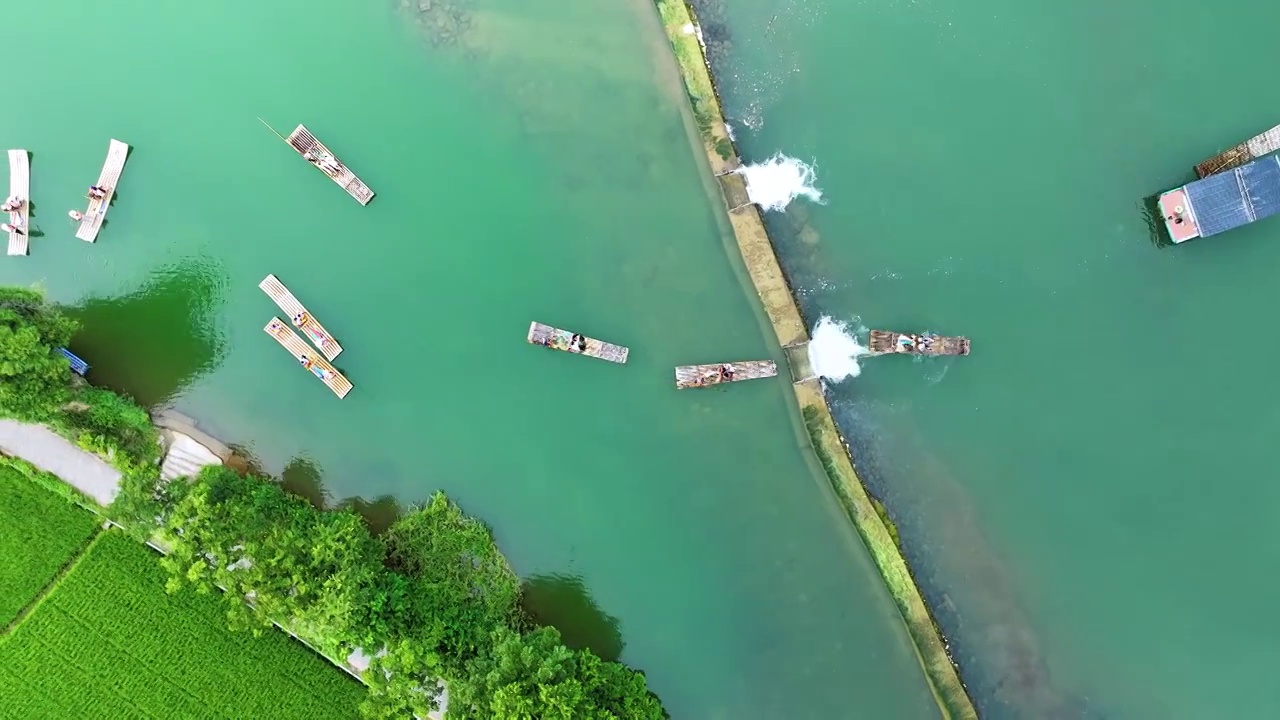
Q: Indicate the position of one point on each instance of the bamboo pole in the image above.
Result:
(282, 138)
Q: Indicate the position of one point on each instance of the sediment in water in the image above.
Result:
(779, 302)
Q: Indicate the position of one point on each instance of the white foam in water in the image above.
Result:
(774, 183)
(834, 350)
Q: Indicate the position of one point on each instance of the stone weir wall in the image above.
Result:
(681, 25)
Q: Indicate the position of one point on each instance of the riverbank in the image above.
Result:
(775, 293)
(321, 574)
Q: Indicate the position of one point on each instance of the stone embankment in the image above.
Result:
(779, 302)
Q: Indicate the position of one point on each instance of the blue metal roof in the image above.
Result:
(1237, 197)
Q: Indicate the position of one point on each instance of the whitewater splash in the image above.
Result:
(774, 183)
(834, 350)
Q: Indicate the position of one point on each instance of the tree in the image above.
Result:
(404, 681)
(516, 677)
(458, 578)
(535, 677)
(313, 570)
(34, 379)
(617, 690)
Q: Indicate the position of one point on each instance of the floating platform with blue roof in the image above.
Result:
(1224, 201)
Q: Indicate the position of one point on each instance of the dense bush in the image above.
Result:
(457, 578)
(434, 594)
(34, 379)
(536, 676)
(251, 538)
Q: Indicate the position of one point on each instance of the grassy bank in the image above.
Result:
(779, 303)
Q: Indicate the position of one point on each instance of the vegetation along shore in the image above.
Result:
(432, 599)
(681, 26)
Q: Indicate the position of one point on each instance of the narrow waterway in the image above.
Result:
(1087, 498)
(531, 162)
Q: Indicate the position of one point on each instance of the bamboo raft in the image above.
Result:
(693, 376)
(117, 153)
(1251, 149)
(883, 342)
(339, 384)
(20, 187)
(310, 327)
(315, 152)
(558, 339)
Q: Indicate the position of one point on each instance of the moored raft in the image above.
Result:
(1255, 147)
(883, 342)
(93, 218)
(323, 159)
(693, 376)
(20, 188)
(558, 339)
(301, 319)
(308, 358)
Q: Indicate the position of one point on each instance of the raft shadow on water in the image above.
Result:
(563, 601)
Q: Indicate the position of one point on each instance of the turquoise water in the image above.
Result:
(530, 163)
(1087, 497)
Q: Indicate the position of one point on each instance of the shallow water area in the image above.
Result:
(530, 163)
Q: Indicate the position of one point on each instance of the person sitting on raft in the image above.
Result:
(726, 373)
(324, 161)
(13, 204)
(97, 193)
(577, 343)
(309, 364)
(303, 318)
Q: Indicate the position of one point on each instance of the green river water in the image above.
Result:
(1087, 499)
(531, 162)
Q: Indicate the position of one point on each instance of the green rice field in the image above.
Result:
(41, 533)
(108, 641)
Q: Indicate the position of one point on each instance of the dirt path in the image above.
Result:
(53, 453)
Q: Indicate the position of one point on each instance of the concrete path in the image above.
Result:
(53, 453)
